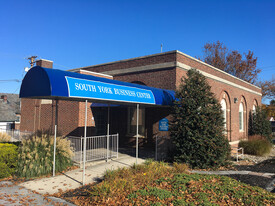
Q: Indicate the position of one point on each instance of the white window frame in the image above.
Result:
(132, 117)
(241, 117)
(224, 110)
(253, 109)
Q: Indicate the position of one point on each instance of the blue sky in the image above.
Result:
(80, 33)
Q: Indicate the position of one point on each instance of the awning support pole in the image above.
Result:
(85, 143)
(137, 134)
(55, 133)
(108, 132)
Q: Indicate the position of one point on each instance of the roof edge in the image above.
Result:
(125, 60)
(90, 72)
(215, 68)
(164, 53)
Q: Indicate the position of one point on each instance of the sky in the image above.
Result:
(77, 33)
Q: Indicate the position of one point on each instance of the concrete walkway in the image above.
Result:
(11, 194)
(269, 187)
(73, 179)
(232, 172)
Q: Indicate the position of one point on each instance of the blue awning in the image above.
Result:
(43, 83)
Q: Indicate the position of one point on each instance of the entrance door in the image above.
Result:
(100, 116)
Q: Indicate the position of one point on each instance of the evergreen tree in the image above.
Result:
(259, 124)
(197, 129)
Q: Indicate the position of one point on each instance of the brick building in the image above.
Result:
(163, 70)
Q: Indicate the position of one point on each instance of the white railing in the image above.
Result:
(96, 147)
(238, 151)
(16, 135)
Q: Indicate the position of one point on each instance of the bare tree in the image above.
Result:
(268, 88)
(232, 62)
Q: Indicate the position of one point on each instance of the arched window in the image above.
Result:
(255, 104)
(223, 104)
(254, 109)
(241, 117)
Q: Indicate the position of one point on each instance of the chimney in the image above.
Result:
(44, 63)
(5, 98)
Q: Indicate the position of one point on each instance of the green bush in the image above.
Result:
(35, 156)
(197, 129)
(8, 158)
(4, 170)
(259, 124)
(256, 147)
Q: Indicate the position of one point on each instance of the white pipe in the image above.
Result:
(137, 134)
(108, 132)
(55, 132)
(85, 143)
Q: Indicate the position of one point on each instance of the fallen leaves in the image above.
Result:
(157, 183)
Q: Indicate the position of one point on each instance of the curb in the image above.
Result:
(271, 186)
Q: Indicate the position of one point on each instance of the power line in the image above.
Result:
(10, 80)
(62, 66)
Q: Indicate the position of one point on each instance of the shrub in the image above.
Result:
(4, 137)
(8, 158)
(256, 137)
(198, 124)
(4, 170)
(256, 147)
(35, 156)
(259, 124)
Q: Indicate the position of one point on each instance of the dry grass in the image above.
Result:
(256, 147)
(4, 137)
(36, 155)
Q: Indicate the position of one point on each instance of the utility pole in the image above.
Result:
(161, 48)
(32, 60)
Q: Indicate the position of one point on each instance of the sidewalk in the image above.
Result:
(73, 179)
(232, 172)
(264, 180)
(14, 195)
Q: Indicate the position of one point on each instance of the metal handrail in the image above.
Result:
(97, 147)
(237, 149)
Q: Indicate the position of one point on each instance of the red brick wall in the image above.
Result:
(37, 116)
(218, 89)
(27, 114)
(164, 79)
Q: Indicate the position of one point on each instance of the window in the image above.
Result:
(241, 118)
(17, 119)
(100, 118)
(253, 109)
(223, 104)
(132, 121)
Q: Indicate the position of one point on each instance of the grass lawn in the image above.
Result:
(156, 183)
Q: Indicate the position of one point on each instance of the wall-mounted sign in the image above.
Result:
(163, 124)
(105, 91)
